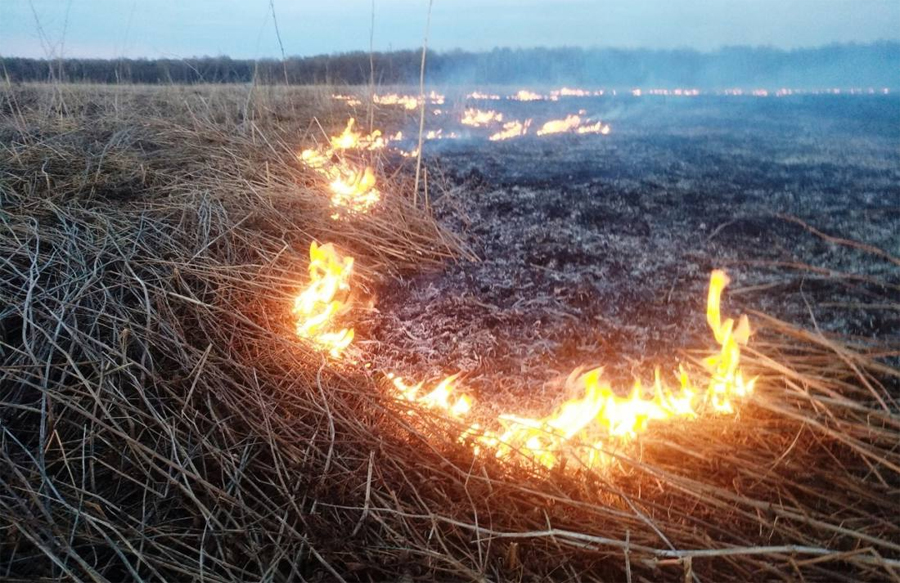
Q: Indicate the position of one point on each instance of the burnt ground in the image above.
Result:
(596, 250)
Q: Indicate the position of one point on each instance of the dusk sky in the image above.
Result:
(244, 28)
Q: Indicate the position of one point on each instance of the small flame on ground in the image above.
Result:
(558, 126)
(567, 92)
(597, 128)
(584, 428)
(352, 187)
(349, 139)
(483, 96)
(355, 189)
(324, 299)
(512, 129)
(440, 135)
(408, 101)
(572, 123)
(526, 95)
(477, 118)
(348, 99)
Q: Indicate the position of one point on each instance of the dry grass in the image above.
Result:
(159, 421)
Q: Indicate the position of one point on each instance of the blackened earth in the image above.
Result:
(596, 250)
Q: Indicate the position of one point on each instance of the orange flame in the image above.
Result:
(600, 418)
(348, 139)
(317, 306)
(408, 101)
(352, 187)
(314, 158)
(355, 189)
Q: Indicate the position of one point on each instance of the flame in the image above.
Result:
(526, 95)
(572, 123)
(586, 427)
(512, 129)
(477, 118)
(558, 126)
(314, 158)
(566, 92)
(597, 128)
(440, 135)
(348, 139)
(352, 187)
(317, 306)
(439, 397)
(484, 96)
(355, 189)
(349, 99)
(408, 101)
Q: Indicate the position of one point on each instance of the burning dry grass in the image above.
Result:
(160, 420)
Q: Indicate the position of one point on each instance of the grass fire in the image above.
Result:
(533, 314)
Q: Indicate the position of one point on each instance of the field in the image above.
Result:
(161, 420)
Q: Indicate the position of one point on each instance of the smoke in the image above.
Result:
(850, 65)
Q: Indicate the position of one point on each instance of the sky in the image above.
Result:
(245, 29)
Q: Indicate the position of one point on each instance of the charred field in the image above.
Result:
(594, 249)
(160, 418)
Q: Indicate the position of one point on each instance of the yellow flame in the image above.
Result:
(324, 299)
(355, 189)
(349, 99)
(477, 118)
(558, 126)
(567, 92)
(349, 139)
(352, 187)
(572, 123)
(600, 419)
(408, 101)
(597, 128)
(512, 129)
(484, 96)
(526, 95)
(314, 158)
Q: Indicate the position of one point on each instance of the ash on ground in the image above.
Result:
(596, 250)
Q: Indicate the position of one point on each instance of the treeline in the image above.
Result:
(843, 65)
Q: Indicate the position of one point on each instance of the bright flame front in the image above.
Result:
(478, 118)
(512, 129)
(324, 300)
(584, 429)
(572, 123)
(601, 419)
(352, 186)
